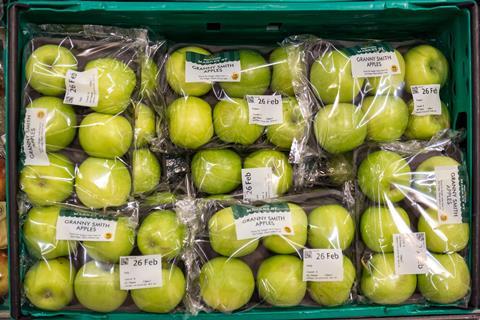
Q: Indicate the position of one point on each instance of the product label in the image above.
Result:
(81, 88)
(267, 220)
(374, 60)
(322, 265)
(85, 227)
(265, 110)
(140, 272)
(410, 253)
(223, 66)
(257, 184)
(34, 144)
(426, 100)
(448, 194)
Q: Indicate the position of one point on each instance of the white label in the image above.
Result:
(265, 110)
(322, 265)
(223, 66)
(426, 100)
(81, 88)
(374, 64)
(81, 228)
(257, 184)
(448, 194)
(140, 272)
(267, 220)
(34, 144)
(410, 253)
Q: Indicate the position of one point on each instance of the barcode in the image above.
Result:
(414, 89)
(123, 261)
(307, 255)
(250, 99)
(420, 236)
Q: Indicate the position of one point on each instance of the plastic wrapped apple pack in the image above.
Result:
(413, 225)
(252, 255)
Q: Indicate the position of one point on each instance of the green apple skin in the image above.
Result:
(105, 136)
(111, 251)
(48, 284)
(226, 284)
(102, 183)
(61, 123)
(160, 198)
(230, 119)
(216, 171)
(334, 293)
(338, 127)
(116, 82)
(190, 122)
(331, 78)
(447, 280)
(282, 171)
(425, 173)
(425, 127)
(146, 171)
(223, 236)
(40, 234)
(386, 85)
(378, 225)
(293, 126)
(165, 298)
(145, 125)
(47, 185)
(279, 281)
(161, 232)
(255, 76)
(295, 242)
(443, 238)
(386, 117)
(97, 287)
(330, 227)
(340, 168)
(285, 69)
(149, 77)
(425, 65)
(381, 176)
(381, 285)
(175, 71)
(47, 67)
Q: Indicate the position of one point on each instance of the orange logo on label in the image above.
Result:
(108, 235)
(394, 68)
(287, 230)
(235, 76)
(40, 114)
(443, 217)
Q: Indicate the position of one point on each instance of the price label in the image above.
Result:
(84, 227)
(426, 100)
(410, 253)
(449, 205)
(81, 88)
(257, 184)
(140, 272)
(265, 110)
(223, 66)
(322, 265)
(34, 143)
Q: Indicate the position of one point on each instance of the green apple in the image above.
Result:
(295, 242)
(223, 236)
(383, 175)
(165, 298)
(424, 180)
(447, 280)
(230, 119)
(161, 232)
(146, 171)
(279, 281)
(47, 67)
(48, 284)
(97, 287)
(442, 238)
(149, 77)
(387, 84)
(145, 125)
(282, 171)
(382, 285)
(104, 135)
(190, 122)
(334, 293)
(102, 183)
(340, 168)
(286, 68)
(47, 185)
(338, 127)
(255, 76)
(160, 198)
(386, 117)
(175, 72)
(61, 122)
(378, 225)
(216, 171)
(330, 227)
(425, 65)
(40, 234)
(331, 78)
(425, 127)
(226, 284)
(111, 251)
(293, 126)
